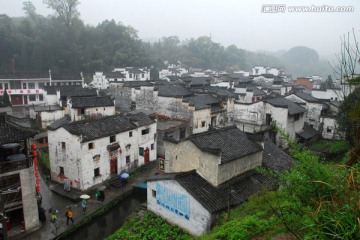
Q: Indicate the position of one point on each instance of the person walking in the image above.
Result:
(97, 195)
(102, 197)
(69, 216)
(83, 205)
(53, 216)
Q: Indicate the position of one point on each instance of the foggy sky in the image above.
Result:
(226, 21)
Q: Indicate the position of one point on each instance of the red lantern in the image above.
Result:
(37, 181)
(36, 168)
(37, 188)
(37, 174)
(34, 153)
(33, 146)
(36, 161)
(120, 151)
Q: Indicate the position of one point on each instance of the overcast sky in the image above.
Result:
(226, 21)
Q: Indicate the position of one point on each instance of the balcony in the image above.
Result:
(15, 165)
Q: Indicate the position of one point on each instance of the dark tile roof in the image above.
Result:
(256, 91)
(230, 143)
(210, 197)
(114, 75)
(84, 102)
(172, 78)
(137, 84)
(134, 70)
(51, 90)
(12, 133)
(66, 76)
(293, 108)
(215, 199)
(60, 122)
(48, 108)
(83, 92)
(201, 101)
(139, 118)
(24, 75)
(20, 121)
(277, 80)
(106, 126)
(173, 90)
(307, 132)
(275, 158)
(306, 97)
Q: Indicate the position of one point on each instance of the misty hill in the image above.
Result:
(38, 43)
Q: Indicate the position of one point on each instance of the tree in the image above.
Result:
(66, 10)
(6, 99)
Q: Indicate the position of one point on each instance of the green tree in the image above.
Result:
(6, 99)
(65, 9)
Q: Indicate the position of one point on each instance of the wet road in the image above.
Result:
(50, 200)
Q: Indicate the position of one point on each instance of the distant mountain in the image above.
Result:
(304, 61)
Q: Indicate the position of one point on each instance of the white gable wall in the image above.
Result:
(173, 197)
(47, 118)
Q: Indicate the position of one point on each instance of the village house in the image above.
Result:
(88, 152)
(177, 129)
(27, 88)
(313, 106)
(259, 70)
(329, 124)
(218, 155)
(45, 115)
(24, 88)
(103, 80)
(17, 176)
(263, 116)
(134, 74)
(189, 200)
(170, 98)
(80, 108)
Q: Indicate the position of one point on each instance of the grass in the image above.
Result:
(330, 146)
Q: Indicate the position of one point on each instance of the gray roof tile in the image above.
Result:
(84, 102)
(229, 142)
(293, 108)
(173, 90)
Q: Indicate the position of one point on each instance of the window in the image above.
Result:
(61, 171)
(153, 193)
(97, 172)
(41, 97)
(130, 134)
(112, 138)
(145, 131)
(41, 85)
(328, 130)
(296, 117)
(24, 85)
(152, 146)
(127, 159)
(130, 75)
(1, 87)
(32, 98)
(82, 111)
(182, 133)
(142, 75)
(31, 85)
(312, 125)
(63, 145)
(6, 86)
(91, 145)
(141, 151)
(203, 123)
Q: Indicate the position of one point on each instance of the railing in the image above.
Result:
(10, 166)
